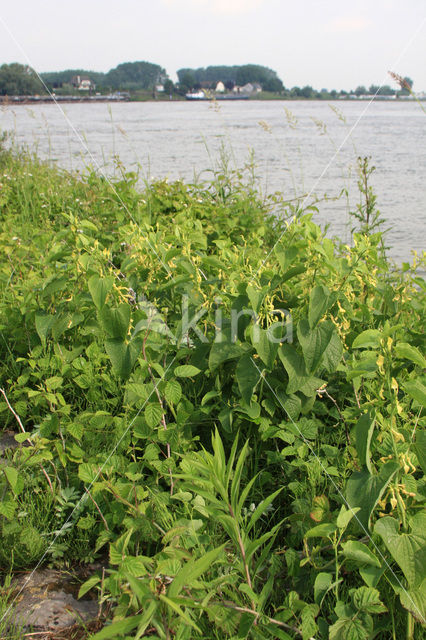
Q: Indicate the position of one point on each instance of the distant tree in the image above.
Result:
(307, 92)
(373, 88)
(18, 79)
(264, 76)
(232, 75)
(229, 84)
(360, 90)
(187, 82)
(56, 79)
(135, 75)
(386, 90)
(169, 86)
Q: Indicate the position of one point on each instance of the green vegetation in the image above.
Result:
(262, 481)
(19, 79)
(127, 76)
(230, 76)
(141, 78)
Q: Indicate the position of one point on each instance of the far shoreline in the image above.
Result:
(12, 101)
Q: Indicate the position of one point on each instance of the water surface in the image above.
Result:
(312, 150)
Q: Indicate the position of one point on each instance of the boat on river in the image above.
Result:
(202, 96)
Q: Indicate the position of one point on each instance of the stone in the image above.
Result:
(46, 600)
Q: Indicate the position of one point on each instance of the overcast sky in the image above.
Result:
(325, 43)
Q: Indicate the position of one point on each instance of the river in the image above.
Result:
(299, 147)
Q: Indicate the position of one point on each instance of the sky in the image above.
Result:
(327, 44)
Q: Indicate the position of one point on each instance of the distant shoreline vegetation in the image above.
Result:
(143, 80)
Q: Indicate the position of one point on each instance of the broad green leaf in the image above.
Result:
(8, 508)
(209, 396)
(255, 296)
(294, 365)
(420, 449)
(275, 632)
(53, 383)
(88, 472)
(135, 566)
(323, 530)
(323, 582)
(286, 256)
(21, 437)
(291, 404)
(223, 351)
(314, 342)
(345, 516)
(417, 390)
(333, 353)
(367, 339)
(364, 490)
(186, 371)
(367, 599)
(360, 553)
(292, 272)
(407, 549)
(62, 323)
(247, 375)
(318, 304)
(117, 629)
(115, 322)
(351, 629)
(296, 371)
(364, 429)
(99, 289)
(308, 625)
(320, 508)
(405, 351)
(89, 584)
(415, 601)
(246, 623)
(12, 476)
(226, 418)
(43, 324)
(153, 414)
(123, 356)
(173, 392)
(371, 575)
(252, 410)
(265, 347)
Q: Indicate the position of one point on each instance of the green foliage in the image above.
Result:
(19, 79)
(134, 75)
(248, 443)
(125, 76)
(239, 75)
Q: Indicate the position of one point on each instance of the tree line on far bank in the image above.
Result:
(141, 76)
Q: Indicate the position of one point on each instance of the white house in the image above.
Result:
(82, 83)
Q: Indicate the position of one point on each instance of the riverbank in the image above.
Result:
(73, 99)
(160, 97)
(203, 396)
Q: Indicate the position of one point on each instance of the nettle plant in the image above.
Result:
(231, 401)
